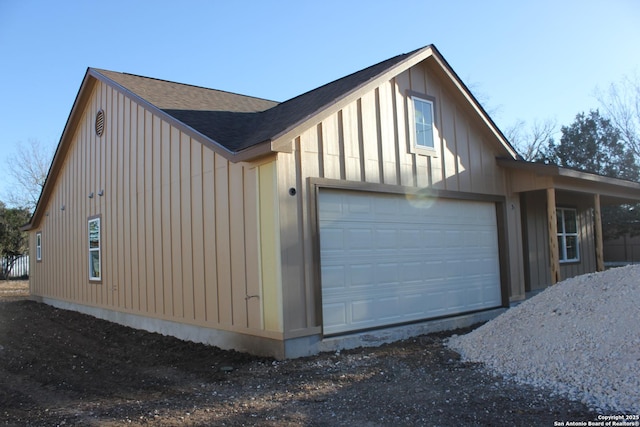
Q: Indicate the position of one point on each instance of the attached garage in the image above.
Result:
(389, 259)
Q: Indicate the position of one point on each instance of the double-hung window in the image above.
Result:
(423, 118)
(95, 271)
(568, 234)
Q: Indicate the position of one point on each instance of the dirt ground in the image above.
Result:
(59, 367)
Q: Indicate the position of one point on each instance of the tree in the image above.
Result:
(13, 241)
(621, 105)
(531, 143)
(29, 168)
(592, 144)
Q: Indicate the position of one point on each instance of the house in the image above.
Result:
(384, 204)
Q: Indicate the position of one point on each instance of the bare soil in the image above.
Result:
(59, 367)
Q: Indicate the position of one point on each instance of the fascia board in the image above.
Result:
(214, 145)
(61, 150)
(453, 77)
(283, 141)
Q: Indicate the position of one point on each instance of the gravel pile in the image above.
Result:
(580, 337)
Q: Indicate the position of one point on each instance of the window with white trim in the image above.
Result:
(95, 271)
(568, 234)
(423, 119)
(39, 246)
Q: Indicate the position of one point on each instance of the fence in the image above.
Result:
(20, 268)
(623, 250)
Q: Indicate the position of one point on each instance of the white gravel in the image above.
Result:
(580, 337)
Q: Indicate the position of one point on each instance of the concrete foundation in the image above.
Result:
(269, 347)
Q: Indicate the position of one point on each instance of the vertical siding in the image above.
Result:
(180, 224)
(369, 140)
(537, 250)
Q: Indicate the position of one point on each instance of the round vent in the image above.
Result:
(100, 123)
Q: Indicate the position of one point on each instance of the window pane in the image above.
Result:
(559, 220)
(94, 233)
(424, 123)
(94, 264)
(561, 248)
(570, 223)
(572, 247)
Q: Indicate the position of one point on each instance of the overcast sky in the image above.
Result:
(524, 60)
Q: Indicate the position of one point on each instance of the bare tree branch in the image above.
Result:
(28, 167)
(531, 142)
(621, 105)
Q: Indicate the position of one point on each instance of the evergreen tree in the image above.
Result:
(592, 144)
(13, 241)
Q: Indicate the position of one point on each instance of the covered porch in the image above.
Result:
(561, 212)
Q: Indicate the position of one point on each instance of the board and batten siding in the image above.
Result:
(368, 141)
(182, 227)
(537, 238)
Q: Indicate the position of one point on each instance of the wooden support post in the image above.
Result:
(552, 222)
(598, 232)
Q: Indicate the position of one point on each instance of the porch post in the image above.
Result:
(552, 222)
(598, 232)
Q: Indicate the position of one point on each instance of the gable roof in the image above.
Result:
(238, 122)
(234, 121)
(243, 127)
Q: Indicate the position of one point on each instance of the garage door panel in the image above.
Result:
(337, 312)
(386, 260)
(360, 275)
(333, 276)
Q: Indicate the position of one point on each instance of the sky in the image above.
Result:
(524, 60)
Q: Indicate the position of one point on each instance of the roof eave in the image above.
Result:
(604, 185)
(92, 76)
(213, 144)
(282, 142)
(59, 155)
(486, 118)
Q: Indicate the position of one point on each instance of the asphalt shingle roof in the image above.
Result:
(238, 122)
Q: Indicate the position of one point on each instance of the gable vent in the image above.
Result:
(100, 123)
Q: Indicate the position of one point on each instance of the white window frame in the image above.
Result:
(563, 234)
(39, 246)
(93, 249)
(415, 147)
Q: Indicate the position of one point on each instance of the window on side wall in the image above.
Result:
(95, 270)
(39, 246)
(424, 135)
(568, 234)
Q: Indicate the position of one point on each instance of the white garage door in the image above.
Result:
(387, 260)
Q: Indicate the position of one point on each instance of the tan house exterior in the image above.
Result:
(386, 203)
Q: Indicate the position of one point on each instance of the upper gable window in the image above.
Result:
(424, 135)
(423, 116)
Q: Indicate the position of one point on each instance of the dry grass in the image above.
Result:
(14, 288)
